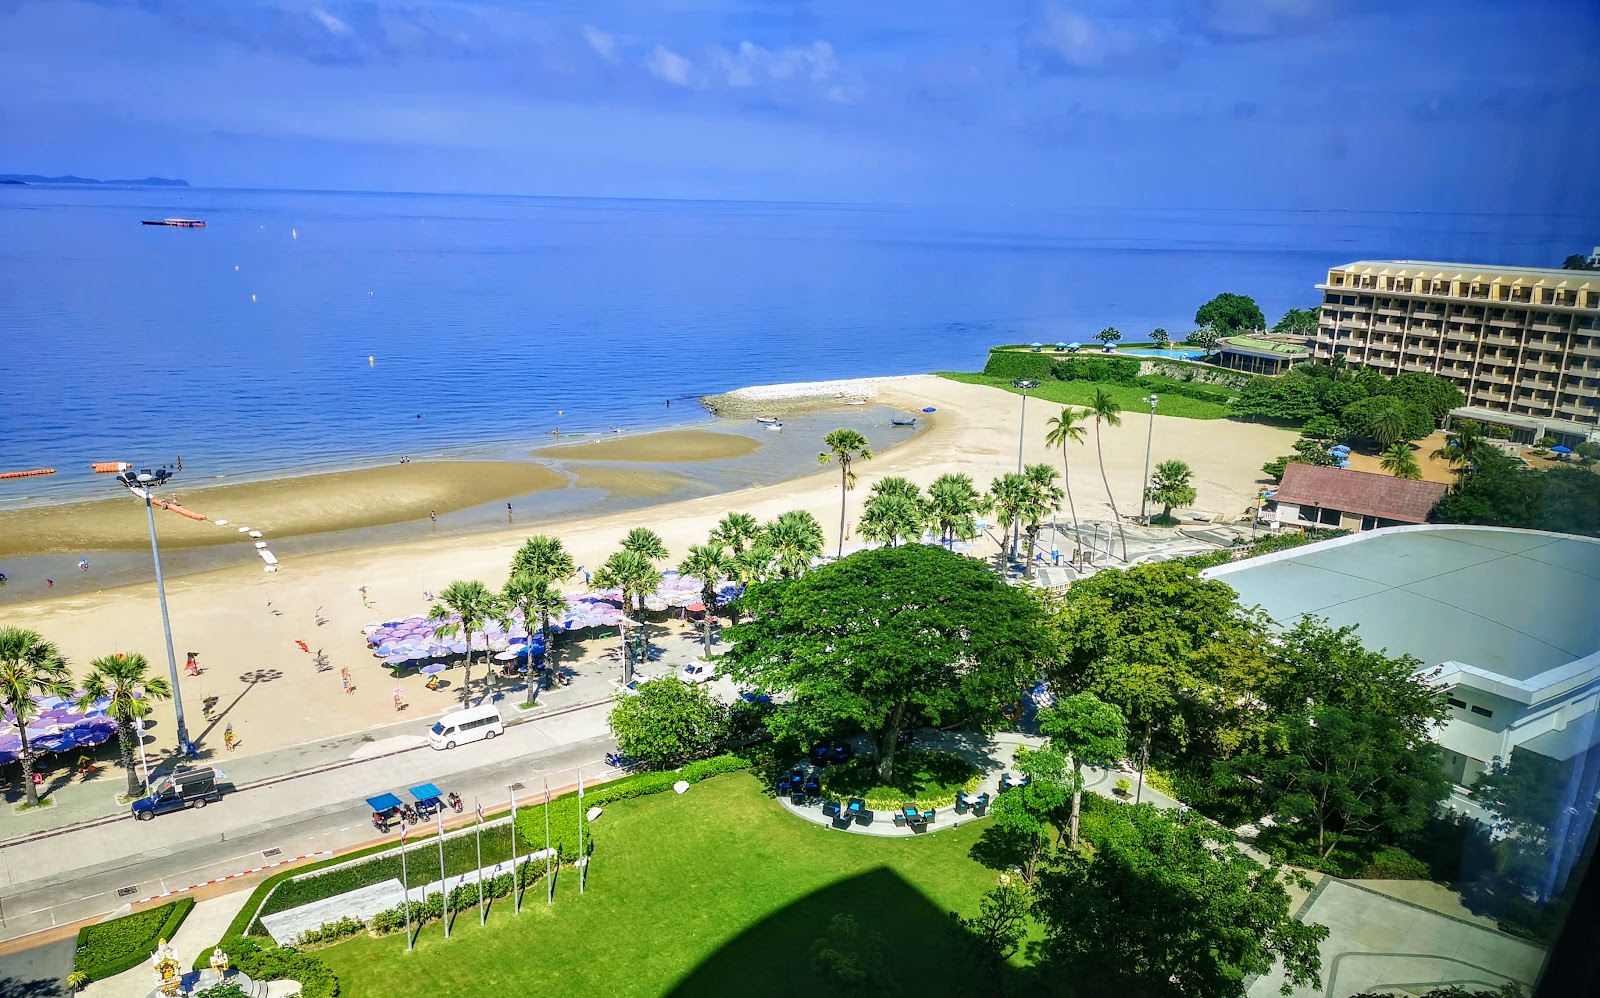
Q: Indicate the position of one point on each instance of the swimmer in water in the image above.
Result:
(83, 564)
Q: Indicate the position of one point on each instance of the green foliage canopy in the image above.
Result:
(1232, 312)
(666, 722)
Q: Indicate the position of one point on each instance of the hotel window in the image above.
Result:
(1486, 712)
(1452, 701)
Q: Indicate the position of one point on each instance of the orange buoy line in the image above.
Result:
(174, 507)
(27, 474)
(109, 467)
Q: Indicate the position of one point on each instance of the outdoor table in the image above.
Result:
(963, 802)
(910, 814)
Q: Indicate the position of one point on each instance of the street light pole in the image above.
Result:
(1149, 438)
(1024, 387)
(143, 484)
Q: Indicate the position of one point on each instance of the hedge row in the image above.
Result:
(266, 962)
(1106, 369)
(564, 812)
(109, 948)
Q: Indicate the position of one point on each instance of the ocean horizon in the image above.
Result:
(312, 331)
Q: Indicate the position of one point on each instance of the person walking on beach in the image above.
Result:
(508, 511)
(180, 462)
(229, 739)
(49, 583)
(433, 515)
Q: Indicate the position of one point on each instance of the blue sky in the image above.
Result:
(1459, 105)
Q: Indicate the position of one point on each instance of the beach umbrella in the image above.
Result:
(506, 656)
(1561, 449)
(431, 668)
(696, 607)
(396, 659)
(1036, 344)
(8, 756)
(49, 702)
(1074, 345)
(1060, 345)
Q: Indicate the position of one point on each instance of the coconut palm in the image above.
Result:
(29, 665)
(543, 558)
(752, 565)
(1398, 461)
(710, 563)
(795, 538)
(1060, 431)
(891, 518)
(1008, 496)
(1171, 485)
(536, 597)
(735, 531)
(126, 679)
(953, 504)
(1104, 408)
(646, 542)
(1044, 498)
(846, 447)
(633, 574)
(466, 607)
(1464, 446)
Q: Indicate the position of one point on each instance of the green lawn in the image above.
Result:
(1129, 399)
(717, 891)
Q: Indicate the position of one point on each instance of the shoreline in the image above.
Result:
(246, 625)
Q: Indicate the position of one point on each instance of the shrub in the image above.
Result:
(1016, 364)
(227, 990)
(1013, 364)
(1394, 863)
(275, 963)
(109, 948)
(926, 779)
(331, 932)
(1123, 787)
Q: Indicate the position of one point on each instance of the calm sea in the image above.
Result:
(306, 331)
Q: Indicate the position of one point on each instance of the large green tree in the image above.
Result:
(1430, 392)
(29, 666)
(1026, 816)
(666, 722)
(845, 446)
(1109, 335)
(883, 635)
(1287, 399)
(1387, 419)
(1168, 905)
(953, 505)
(736, 531)
(1234, 312)
(646, 543)
(1085, 730)
(125, 678)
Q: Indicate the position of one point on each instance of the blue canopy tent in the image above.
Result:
(1037, 346)
(1561, 449)
(429, 798)
(383, 802)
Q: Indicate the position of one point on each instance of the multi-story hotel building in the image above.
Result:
(1523, 344)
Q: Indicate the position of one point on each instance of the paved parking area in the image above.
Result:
(1381, 943)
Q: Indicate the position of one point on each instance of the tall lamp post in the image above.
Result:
(1149, 438)
(1024, 386)
(143, 484)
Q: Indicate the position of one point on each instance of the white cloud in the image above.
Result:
(752, 64)
(669, 66)
(604, 45)
(327, 20)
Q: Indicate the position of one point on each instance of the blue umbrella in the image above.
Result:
(1561, 449)
(396, 659)
(1074, 345)
(1059, 344)
(432, 667)
(929, 408)
(1036, 344)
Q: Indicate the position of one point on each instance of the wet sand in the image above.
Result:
(278, 507)
(665, 447)
(632, 483)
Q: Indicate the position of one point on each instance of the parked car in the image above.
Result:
(180, 791)
(698, 672)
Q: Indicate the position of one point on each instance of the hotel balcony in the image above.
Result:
(1422, 366)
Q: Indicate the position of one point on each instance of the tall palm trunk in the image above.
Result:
(27, 765)
(1066, 478)
(466, 677)
(1116, 515)
(709, 595)
(844, 492)
(125, 734)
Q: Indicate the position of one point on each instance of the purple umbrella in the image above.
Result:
(431, 668)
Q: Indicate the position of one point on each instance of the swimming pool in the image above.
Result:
(1169, 354)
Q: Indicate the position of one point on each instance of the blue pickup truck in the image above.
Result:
(180, 791)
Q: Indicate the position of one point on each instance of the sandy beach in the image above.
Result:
(245, 624)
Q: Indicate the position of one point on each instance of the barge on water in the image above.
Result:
(181, 223)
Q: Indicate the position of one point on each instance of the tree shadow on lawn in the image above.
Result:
(920, 951)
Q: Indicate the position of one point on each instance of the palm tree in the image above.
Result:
(709, 563)
(749, 566)
(1060, 431)
(29, 664)
(465, 607)
(646, 542)
(1105, 410)
(1044, 497)
(1007, 497)
(1464, 446)
(633, 574)
(891, 519)
(126, 679)
(1387, 424)
(1171, 486)
(846, 447)
(794, 538)
(543, 558)
(1400, 462)
(953, 504)
(535, 596)
(735, 531)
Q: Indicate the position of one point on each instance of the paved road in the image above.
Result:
(48, 882)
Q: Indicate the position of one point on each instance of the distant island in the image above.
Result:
(34, 178)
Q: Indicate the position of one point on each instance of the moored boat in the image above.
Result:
(180, 223)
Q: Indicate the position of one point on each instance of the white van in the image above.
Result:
(462, 726)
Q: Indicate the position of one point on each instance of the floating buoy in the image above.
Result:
(109, 467)
(252, 297)
(28, 474)
(371, 361)
(294, 233)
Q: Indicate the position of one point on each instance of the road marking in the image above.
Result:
(233, 876)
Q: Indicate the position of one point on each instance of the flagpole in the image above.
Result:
(405, 884)
(580, 829)
(481, 916)
(444, 884)
(516, 870)
(549, 857)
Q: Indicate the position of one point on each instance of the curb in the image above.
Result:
(50, 833)
(232, 876)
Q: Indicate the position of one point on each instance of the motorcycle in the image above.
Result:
(455, 802)
(618, 760)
